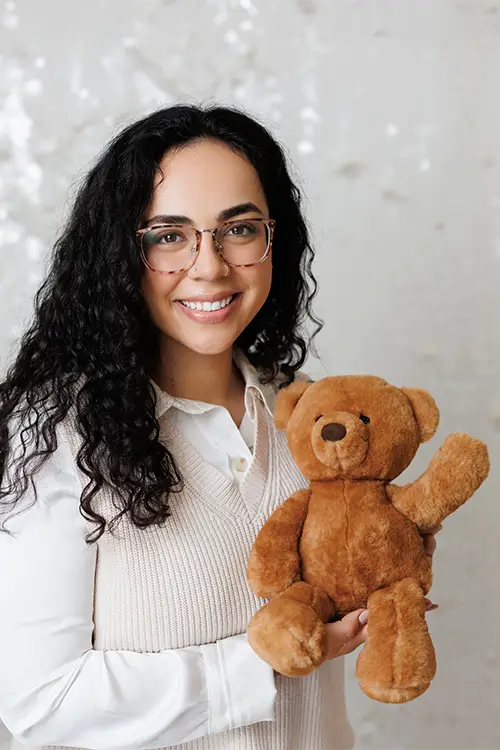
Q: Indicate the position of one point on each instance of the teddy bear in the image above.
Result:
(352, 539)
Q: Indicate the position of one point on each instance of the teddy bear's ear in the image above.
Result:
(425, 411)
(287, 400)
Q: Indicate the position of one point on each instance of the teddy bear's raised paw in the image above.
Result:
(461, 465)
(471, 452)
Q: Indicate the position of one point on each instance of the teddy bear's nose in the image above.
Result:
(333, 432)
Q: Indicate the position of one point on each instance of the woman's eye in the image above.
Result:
(167, 239)
(364, 418)
(235, 230)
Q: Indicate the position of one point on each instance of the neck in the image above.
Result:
(212, 378)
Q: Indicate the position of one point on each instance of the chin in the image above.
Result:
(209, 344)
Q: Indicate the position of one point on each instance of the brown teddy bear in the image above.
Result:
(353, 539)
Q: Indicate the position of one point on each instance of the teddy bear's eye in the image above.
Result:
(364, 418)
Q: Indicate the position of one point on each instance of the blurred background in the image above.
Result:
(388, 112)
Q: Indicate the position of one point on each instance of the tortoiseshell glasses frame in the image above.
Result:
(269, 223)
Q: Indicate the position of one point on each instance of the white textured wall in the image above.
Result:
(391, 114)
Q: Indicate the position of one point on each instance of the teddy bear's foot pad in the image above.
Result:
(392, 695)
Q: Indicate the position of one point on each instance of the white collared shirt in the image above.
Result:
(210, 428)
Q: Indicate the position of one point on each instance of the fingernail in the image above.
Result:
(363, 617)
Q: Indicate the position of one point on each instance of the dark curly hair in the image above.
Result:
(91, 319)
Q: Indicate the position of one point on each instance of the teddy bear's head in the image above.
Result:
(354, 426)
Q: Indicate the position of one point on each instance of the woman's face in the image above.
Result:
(200, 181)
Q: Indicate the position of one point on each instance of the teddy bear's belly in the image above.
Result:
(359, 549)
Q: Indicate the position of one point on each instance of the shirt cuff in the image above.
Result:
(241, 688)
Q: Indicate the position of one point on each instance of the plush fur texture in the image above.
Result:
(353, 539)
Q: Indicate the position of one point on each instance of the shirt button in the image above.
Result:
(240, 464)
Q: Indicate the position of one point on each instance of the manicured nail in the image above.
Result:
(363, 617)
(429, 606)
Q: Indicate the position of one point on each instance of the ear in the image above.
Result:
(425, 411)
(287, 400)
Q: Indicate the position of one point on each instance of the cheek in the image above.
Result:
(156, 288)
(257, 281)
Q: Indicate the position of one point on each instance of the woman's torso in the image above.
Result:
(184, 584)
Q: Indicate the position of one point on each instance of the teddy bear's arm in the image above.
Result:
(274, 562)
(455, 472)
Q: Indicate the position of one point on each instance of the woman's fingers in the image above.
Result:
(351, 631)
(354, 642)
(429, 544)
(428, 538)
(429, 606)
(346, 634)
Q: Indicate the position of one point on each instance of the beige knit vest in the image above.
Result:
(184, 584)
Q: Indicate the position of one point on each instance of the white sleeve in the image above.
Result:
(56, 690)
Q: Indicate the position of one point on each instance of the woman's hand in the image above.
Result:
(346, 634)
(429, 540)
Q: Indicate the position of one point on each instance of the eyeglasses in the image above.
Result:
(170, 248)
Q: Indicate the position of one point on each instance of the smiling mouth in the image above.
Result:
(210, 306)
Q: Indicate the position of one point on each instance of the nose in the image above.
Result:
(209, 264)
(333, 432)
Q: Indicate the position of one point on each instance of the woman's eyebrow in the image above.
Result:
(224, 215)
(240, 208)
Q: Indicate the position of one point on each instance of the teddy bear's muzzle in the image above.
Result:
(340, 441)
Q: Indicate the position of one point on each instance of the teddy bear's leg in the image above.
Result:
(289, 632)
(398, 661)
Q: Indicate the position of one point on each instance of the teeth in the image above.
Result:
(208, 306)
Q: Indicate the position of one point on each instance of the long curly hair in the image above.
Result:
(91, 319)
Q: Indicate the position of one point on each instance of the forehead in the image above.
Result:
(205, 176)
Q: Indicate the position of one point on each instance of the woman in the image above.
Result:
(141, 404)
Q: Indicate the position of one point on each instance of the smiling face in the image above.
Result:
(202, 181)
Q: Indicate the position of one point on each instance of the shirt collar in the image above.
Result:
(253, 389)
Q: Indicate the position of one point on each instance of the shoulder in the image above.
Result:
(31, 449)
(282, 379)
